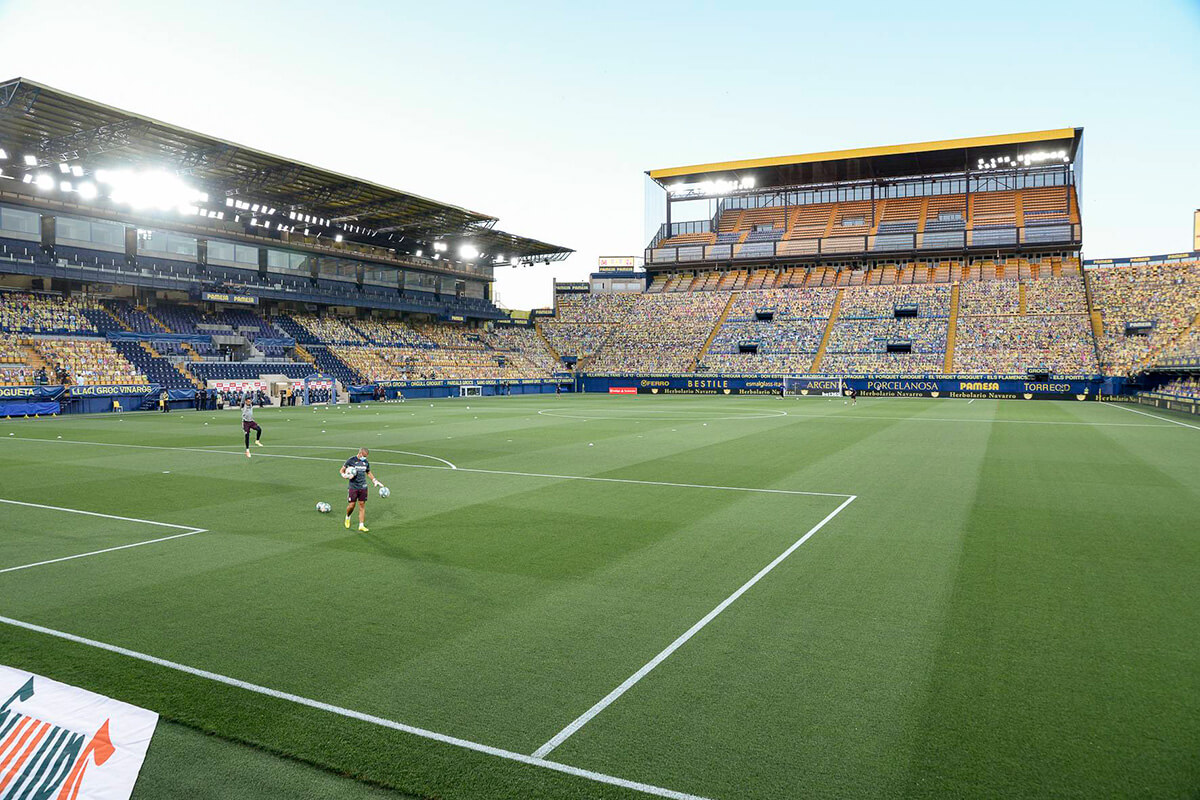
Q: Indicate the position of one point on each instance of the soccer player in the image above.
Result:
(358, 487)
(248, 424)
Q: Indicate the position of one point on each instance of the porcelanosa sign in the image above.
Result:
(62, 743)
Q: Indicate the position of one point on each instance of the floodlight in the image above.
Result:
(27, 178)
(748, 183)
(31, 161)
(420, 253)
(87, 191)
(44, 182)
(440, 246)
(77, 171)
(3, 154)
(468, 252)
(337, 238)
(64, 168)
(65, 186)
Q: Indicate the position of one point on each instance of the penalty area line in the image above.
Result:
(633, 679)
(187, 531)
(383, 722)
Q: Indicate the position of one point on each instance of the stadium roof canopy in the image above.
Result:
(877, 163)
(57, 127)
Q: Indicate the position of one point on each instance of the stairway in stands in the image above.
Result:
(713, 333)
(951, 331)
(833, 315)
(1097, 322)
(549, 347)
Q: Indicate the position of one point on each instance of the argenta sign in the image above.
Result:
(58, 742)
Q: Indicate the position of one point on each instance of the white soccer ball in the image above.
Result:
(348, 473)
(324, 508)
(384, 491)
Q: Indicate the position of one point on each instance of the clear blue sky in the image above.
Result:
(547, 114)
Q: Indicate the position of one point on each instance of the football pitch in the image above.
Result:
(628, 597)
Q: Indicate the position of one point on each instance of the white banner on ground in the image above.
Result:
(64, 743)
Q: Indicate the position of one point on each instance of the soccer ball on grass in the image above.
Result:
(384, 492)
(324, 508)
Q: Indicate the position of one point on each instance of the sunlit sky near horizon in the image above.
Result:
(547, 115)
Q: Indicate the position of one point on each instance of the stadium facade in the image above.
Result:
(980, 197)
(95, 194)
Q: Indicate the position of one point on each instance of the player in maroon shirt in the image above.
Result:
(361, 469)
(248, 424)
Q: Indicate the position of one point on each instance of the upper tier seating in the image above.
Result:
(24, 312)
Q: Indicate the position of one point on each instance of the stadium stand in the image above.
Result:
(1182, 387)
(15, 369)
(89, 361)
(525, 348)
(238, 370)
(582, 322)
(1163, 297)
(327, 362)
(660, 333)
(895, 224)
(786, 342)
(24, 312)
(157, 368)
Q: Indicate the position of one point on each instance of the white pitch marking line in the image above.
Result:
(96, 513)
(459, 469)
(850, 418)
(1153, 416)
(972, 400)
(331, 447)
(188, 531)
(383, 722)
(753, 414)
(629, 682)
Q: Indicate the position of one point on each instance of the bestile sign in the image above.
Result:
(622, 390)
(58, 742)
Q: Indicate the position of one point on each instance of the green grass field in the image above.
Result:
(991, 598)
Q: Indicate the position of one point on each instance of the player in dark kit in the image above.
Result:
(248, 424)
(361, 469)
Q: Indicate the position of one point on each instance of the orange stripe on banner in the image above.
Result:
(16, 768)
(12, 737)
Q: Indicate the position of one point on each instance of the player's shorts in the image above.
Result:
(358, 495)
(250, 425)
